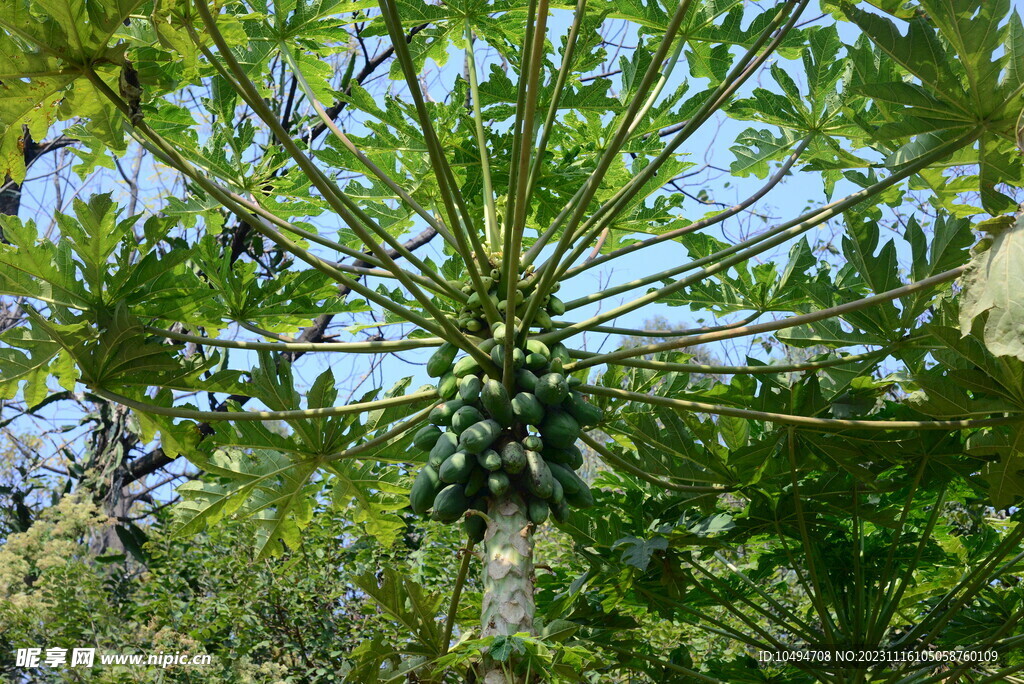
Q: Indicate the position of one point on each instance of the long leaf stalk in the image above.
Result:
(296, 414)
(610, 458)
(730, 256)
(816, 581)
(371, 347)
(184, 166)
(580, 203)
(490, 211)
(556, 95)
(810, 422)
(772, 368)
(398, 430)
(338, 200)
(789, 322)
(621, 198)
(515, 210)
(345, 207)
(453, 607)
(363, 159)
(458, 216)
(774, 180)
(809, 633)
(885, 590)
(636, 332)
(979, 579)
(763, 612)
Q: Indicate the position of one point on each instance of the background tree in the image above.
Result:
(845, 499)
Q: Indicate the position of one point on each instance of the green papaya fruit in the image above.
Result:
(573, 381)
(446, 445)
(535, 362)
(487, 345)
(479, 436)
(560, 351)
(426, 437)
(495, 400)
(424, 488)
(498, 333)
(447, 386)
(584, 498)
(571, 482)
(526, 381)
(538, 347)
(489, 459)
(552, 389)
(569, 456)
(440, 362)
(538, 475)
(474, 325)
(477, 480)
(498, 483)
(442, 413)
(513, 458)
(467, 365)
(450, 503)
(475, 528)
(585, 413)
(464, 417)
(469, 387)
(560, 511)
(537, 510)
(555, 365)
(559, 429)
(457, 467)
(557, 492)
(533, 443)
(556, 307)
(527, 408)
(541, 319)
(473, 302)
(498, 356)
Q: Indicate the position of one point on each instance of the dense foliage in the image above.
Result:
(853, 481)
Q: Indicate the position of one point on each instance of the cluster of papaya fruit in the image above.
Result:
(471, 318)
(485, 442)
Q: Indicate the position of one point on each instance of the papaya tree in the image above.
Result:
(860, 492)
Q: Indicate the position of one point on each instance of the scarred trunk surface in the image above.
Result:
(508, 575)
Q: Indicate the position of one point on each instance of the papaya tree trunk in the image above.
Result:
(508, 579)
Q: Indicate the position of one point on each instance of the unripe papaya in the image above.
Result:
(526, 381)
(541, 319)
(552, 389)
(535, 362)
(560, 511)
(585, 413)
(537, 510)
(440, 362)
(560, 351)
(446, 445)
(479, 436)
(538, 347)
(538, 475)
(495, 400)
(450, 503)
(533, 443)
(557, 492)
(584, 498)
(442, 413)
(457, 467)
(513, 458)
(447, 385)
(424, 489)
(498, 483)
(475, 527)
(527, 408)
(559, 429)
(477, 480)
(426, 437)
(469, 387)
(571, 482)
(489, 459)
(466, 366)
(556, 307)
(464, 417)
